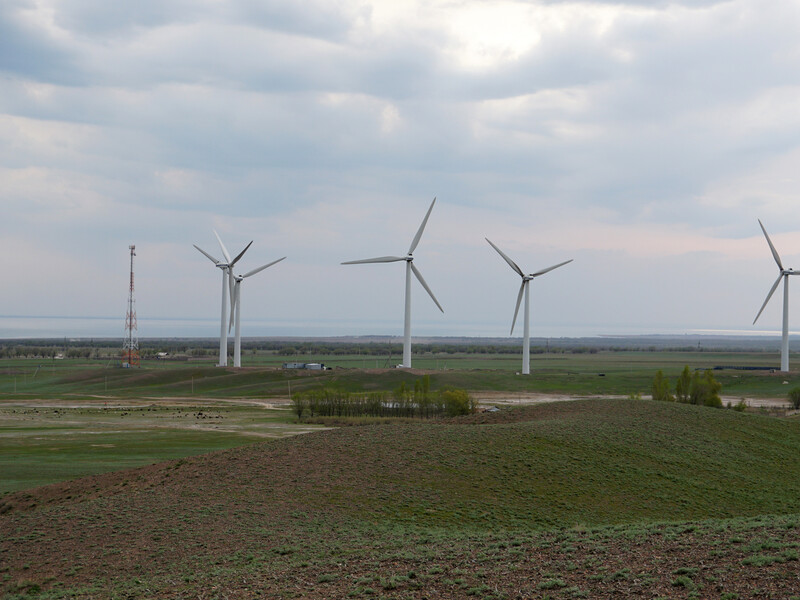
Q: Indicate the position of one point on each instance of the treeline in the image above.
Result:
(386, 349)
(89, 352)
(419, 403)
(690, 388)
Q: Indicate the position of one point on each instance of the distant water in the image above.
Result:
(19, 327)
(16, 327)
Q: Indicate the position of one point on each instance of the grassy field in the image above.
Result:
(74, 417)
(620, 373)
(585, 499)
(43, 442)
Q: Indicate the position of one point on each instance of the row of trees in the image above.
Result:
(51, 352)
(690, 388)
(403, 402)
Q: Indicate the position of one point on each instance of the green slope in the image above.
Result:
(584, 462)
(322, 514)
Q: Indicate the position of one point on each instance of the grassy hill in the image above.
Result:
(562, 500)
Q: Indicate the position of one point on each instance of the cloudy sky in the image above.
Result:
(641, 139)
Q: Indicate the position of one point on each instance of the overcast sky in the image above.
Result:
(641, 139)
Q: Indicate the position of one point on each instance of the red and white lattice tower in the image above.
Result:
(130, 348)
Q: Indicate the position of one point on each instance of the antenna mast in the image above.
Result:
(130, 347)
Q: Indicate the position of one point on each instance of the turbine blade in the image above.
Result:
(211, 258)
(235, 260)
(516, 310)
(380, 259)
(224, 249)
(511, 263)
(261, 268)
(548, 269)
(421, 229)
(771, 247)
(425, 285)
(772, 291)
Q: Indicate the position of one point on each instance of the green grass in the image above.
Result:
(45, 456)
(44, 443)
(619, 373)
(99, 386)
(593, 498)
(645, 460)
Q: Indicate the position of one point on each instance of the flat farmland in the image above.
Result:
(600, 373)
(44, 441)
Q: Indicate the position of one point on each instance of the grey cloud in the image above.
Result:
(314, 18)
(28, 52)
(99, 18)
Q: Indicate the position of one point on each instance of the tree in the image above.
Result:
(705, 390)
(794, 397)
(299, 405)
(683, 386)
(458, 402)
(660, 390)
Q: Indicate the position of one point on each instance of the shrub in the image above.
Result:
(298, 405)
(705, 390)
(402, 403)
(458, 402)
(683, 386)
(660, 390)
(794, 397)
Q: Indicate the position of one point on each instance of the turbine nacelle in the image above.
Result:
(226, 267)
(783, 273)
(523, 288)
(236, 281)
(410, 268)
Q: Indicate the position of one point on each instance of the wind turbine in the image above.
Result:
(783, 274)
(236, 300)
(409, 258)
(227, 285)
(526, 279)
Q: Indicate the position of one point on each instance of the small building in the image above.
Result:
(294, 365)
(308, 366)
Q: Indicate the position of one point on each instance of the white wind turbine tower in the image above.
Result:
(526, 279)
(236, 301)
(227, 285)
(783, 274)
(409, 258)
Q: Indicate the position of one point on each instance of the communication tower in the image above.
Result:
(130, 347)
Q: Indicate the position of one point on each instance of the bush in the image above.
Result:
(402, 403)
(683, 386)
(794, 397)
(458, 402)
(705, 390)
(660, 390)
